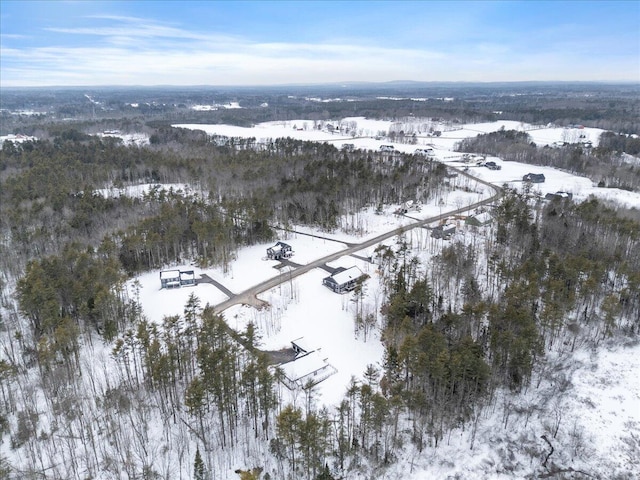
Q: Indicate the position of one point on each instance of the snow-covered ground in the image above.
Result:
(598, 419)
(598, 413)
(19, 138)
(302, 306)
(139, 139)
(305, 308)
(215, 106)
(556, 180)
(138, 191)
(310, 306)
(366, 130)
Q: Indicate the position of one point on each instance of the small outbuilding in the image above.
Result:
(344, 280)
(534, 178)
(279, 251)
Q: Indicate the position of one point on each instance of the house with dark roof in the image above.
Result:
(479, 220)
(559, 196)
(279, 250)
(444, 231)
(534, 178)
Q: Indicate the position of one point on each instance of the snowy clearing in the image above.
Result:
(366, 130)
(139, 139)
(597, 414)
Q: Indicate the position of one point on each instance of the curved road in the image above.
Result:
(248, 297)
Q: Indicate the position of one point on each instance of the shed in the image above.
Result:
(344, 280)
(169, 278)
(534, 178)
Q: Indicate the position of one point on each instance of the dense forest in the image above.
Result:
(91, 389)
(607, 106)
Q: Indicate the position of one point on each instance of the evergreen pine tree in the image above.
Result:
(198, 467)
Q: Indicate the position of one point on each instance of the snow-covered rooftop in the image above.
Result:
(347, 275)
(169, 274)
(308, 368)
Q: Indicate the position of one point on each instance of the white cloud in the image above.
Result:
(129, 50)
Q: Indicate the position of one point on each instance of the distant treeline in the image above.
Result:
(604, 164)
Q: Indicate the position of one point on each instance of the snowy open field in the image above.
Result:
(598, 416)
(599, 411)
(444, 145)
(137, 191)
(306, 308)
(139, 139)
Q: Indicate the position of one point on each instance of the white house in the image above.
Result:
(301, 347)
(344, 280)
(279, 250)
(169, 278)
(187, 278)
(177, 278)
(309, 369)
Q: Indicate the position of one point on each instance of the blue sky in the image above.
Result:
(269, 43)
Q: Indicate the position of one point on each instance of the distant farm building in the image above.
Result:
(534, 178)
(177, 278)
(426, 151)
(387, 148)
(344, 280)
(279, 251)
(559, 196)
